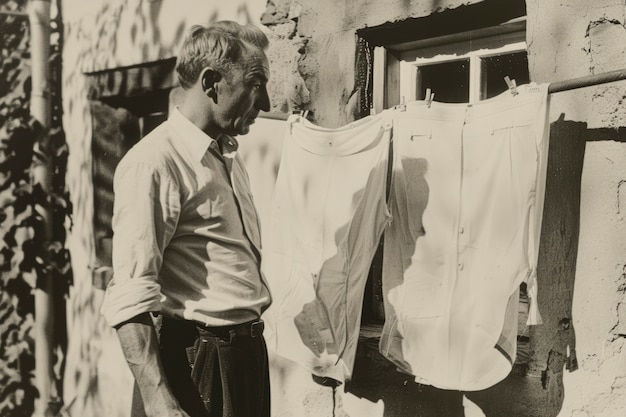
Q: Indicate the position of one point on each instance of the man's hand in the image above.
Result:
(141, 349)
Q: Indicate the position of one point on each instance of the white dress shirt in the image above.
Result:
(186, 236)
(467, 203)
(327, 216)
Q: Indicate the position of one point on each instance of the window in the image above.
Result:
(466, 71)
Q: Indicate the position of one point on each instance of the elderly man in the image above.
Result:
(186, 242)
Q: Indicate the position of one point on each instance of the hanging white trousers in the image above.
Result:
(466, 202)
(327, 216)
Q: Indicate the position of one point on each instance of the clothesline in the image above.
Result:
(555, 87)
(587, 81)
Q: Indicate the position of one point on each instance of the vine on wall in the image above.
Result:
(21, 246)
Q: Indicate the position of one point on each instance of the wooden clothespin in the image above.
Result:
(429, 97)
(402, 105)
(306, 114)
(512, 86)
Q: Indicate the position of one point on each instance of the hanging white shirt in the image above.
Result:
(327, 216)
(467, 201)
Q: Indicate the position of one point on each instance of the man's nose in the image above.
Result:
(263, 102)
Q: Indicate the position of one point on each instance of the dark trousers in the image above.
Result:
(213, 373)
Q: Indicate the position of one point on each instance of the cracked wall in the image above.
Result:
(620, 327)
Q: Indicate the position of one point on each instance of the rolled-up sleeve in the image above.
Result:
(145, 213)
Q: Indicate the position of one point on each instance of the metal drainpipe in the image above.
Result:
(41, 171)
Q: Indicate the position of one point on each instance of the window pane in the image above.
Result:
(449, 81)
(494, 68)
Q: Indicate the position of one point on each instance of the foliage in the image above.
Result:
(24, 257)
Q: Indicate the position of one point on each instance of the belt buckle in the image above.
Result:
(256, 328)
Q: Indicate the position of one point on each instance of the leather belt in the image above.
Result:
(252, 328)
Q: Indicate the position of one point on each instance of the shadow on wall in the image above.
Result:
(521, 394)
(145, 32)
(558, 252)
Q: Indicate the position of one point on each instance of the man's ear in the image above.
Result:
(209, 79)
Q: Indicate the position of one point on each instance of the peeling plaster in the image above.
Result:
(589, 35)
(280, 11)
(618, 384)
(622, 280)
(288, 49)
(619, 330)
(594, 23)
(591, 363)
(580, 413)
(621, 197)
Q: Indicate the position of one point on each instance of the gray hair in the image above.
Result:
(219, 45)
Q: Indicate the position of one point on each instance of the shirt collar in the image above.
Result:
(196, 140)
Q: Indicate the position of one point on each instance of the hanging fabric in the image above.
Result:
(327, 216)
(466, 201)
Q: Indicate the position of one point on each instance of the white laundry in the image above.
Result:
(261, 151)
(326, 219)
(467, 201)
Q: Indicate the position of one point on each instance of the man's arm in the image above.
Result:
(141, 349)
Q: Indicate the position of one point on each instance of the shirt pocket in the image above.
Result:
(506, 126)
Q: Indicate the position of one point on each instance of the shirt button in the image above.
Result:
(461, 230)
(460, 266)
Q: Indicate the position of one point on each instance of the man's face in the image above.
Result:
(243, 93)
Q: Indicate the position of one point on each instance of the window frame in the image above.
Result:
(473, 51)
(395, 66)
